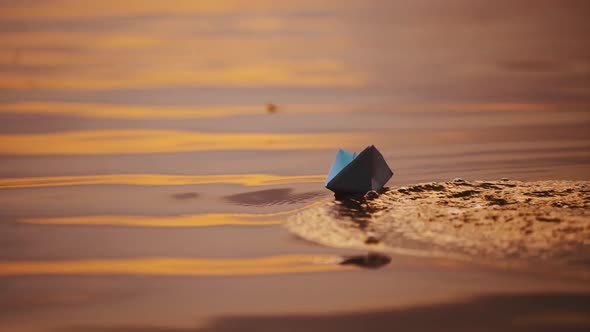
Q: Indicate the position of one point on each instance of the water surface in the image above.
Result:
(144, 183)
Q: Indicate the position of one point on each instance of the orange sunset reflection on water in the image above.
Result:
(157, 180)
(162, 51)
(175, 266)
(111, 111)
(152, 141)
(196, 220)
(211, 219)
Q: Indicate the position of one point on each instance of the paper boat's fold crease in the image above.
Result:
(358, 174)
(342, 159)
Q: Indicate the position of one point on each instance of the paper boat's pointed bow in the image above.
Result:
(351, 173)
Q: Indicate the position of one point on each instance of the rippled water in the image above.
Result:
(143, 181)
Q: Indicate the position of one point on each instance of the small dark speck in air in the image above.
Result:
(271, 108)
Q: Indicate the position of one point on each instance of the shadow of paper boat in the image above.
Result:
(351, 173)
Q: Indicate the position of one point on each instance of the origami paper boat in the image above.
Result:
(358, 173)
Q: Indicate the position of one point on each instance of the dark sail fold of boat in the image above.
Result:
(351, 173)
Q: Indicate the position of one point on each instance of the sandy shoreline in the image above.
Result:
(509, 222)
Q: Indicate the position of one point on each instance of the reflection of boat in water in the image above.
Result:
(358, 173)
(370, 261)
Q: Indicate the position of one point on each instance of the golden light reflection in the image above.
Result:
(176, 266)
(317, 73)
(126, 112)
(196, 220)
(171, 48)
(31, 39)
(211, 219)
(154, 141)
(128, 50)
(157, 180)
(71, 9)
(111, 111)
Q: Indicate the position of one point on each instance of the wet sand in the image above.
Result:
(145, 182)
(539, 225)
